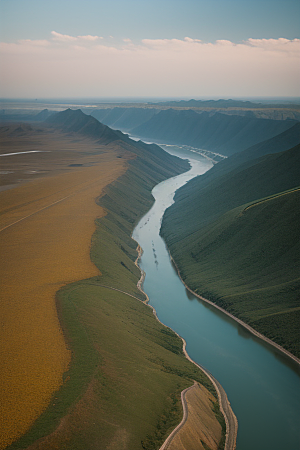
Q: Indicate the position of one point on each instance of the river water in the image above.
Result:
(262, 384)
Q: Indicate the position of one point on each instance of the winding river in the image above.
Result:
(262, 384)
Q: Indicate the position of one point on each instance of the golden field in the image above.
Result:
(45, 234)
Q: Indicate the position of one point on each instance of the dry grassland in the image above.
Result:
(201, 425)
(46, 226)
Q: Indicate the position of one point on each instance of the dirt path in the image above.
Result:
(184, 419)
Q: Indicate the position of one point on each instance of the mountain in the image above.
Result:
(124, 118)
(221, 133)
(43, 115)
(221, 103)
(236, 241)
(283, 141)
(75, 121)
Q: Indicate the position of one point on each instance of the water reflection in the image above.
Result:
(189, 295)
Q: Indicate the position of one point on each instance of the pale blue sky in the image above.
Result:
(208, 20)
(149, 48)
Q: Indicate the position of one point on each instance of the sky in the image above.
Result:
(149, 48)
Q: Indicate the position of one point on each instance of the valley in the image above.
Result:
(232, 233)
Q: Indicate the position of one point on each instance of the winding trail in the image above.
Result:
(184, 419)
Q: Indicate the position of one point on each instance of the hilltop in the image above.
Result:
(76, 121)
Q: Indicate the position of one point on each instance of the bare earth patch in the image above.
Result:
(201, 425)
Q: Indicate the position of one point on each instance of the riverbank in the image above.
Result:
(252, 331)
(225, 407)
(261, 382)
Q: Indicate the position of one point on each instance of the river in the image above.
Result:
(262, 384)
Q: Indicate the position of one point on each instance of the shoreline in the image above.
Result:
(225, 407)
(239, 321)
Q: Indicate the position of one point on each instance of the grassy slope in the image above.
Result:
(247, 262)
(246, 158)
(220, 132)
(123, 386)
(266, 176)
(124, 118)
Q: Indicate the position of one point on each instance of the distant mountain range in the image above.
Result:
(124, 118)
(234, 234)
(222, 133)
(221, 103)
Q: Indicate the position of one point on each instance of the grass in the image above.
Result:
(247, 261)
(39, 255)
(201, 431)
(122, 389)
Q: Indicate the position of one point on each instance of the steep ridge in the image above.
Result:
(43, 115)
(246, 158)
(124, 118)
(266, 176)
(244, 258)
(108, 116)
(225, 134)
(76, 121)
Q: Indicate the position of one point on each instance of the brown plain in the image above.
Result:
(46, 223)
(201, 425)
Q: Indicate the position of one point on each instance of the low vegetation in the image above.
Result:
(122, 388)
(196, 433)
(241, 244)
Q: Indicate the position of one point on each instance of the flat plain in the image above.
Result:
(46, 229)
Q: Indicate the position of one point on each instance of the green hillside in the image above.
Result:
(246, 259)
(283, 141)
(270, 174)
(123, 386)
(124, 118)
(225, 134)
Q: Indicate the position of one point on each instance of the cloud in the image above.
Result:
(62, 37)
(66, 38)
(92, 66)
(90, 38)
(276, 45)
(36, 43)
